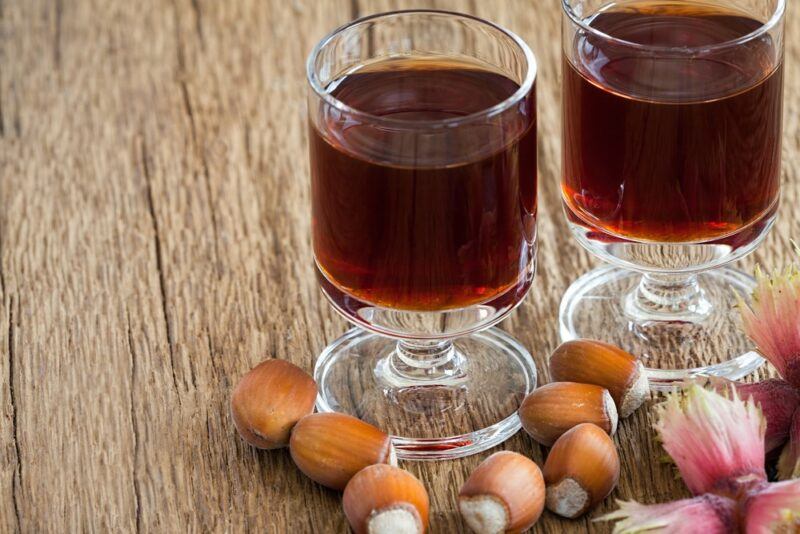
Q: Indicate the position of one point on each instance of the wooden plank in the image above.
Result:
(63, 258)
(154, 245)
(229, 190)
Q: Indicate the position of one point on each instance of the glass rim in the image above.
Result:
(518, 95)
(775, 18)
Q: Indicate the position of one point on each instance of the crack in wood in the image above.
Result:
(2, 234)
(198, 150)
(57, 34)
(213, 212)
(178, 41)
(248, 151)
(16, 121)
(211, 354)
(2, 119)
(134, 429)
(189, 110)
(354, 9)
(192, 375)
(209, 433)
(187, 107)
(17, 485)
(17, 125)
(162, 285)
(17, 480)
(198, 23)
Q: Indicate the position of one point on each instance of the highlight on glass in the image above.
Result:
(671, 170)
(422, 135)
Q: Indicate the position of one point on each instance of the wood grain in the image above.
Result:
(154, 245)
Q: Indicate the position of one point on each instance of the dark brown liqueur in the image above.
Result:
(413, 216)
(662, 146)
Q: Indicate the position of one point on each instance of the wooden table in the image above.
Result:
(154, 245)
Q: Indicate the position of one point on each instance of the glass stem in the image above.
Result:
(429, 361)
(668, 297)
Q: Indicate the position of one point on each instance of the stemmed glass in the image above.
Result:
(422, 135)
(671, 170)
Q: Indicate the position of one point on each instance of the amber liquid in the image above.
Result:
(662, 147)
(424, 221)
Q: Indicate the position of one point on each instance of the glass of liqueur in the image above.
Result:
(422, 138)
(671, 170)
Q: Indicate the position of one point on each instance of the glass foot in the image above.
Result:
(439, 399)
(681, 326)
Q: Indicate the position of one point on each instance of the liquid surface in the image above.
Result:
(667, 146)
(418, 220)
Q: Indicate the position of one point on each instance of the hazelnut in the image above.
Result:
(504, 494)
(269, 400)
(332, 447)
(382, 499)
(580, 471)
(604, 365)
(552, 409)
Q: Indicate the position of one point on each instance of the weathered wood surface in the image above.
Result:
(154, 245)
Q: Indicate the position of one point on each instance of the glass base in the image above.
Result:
(462, 401)
(681, 328)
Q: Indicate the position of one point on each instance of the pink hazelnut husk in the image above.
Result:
(706, 514)
(771, 320)
(778, 401)
(789, 461)
(772, 508)
(716, 441)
